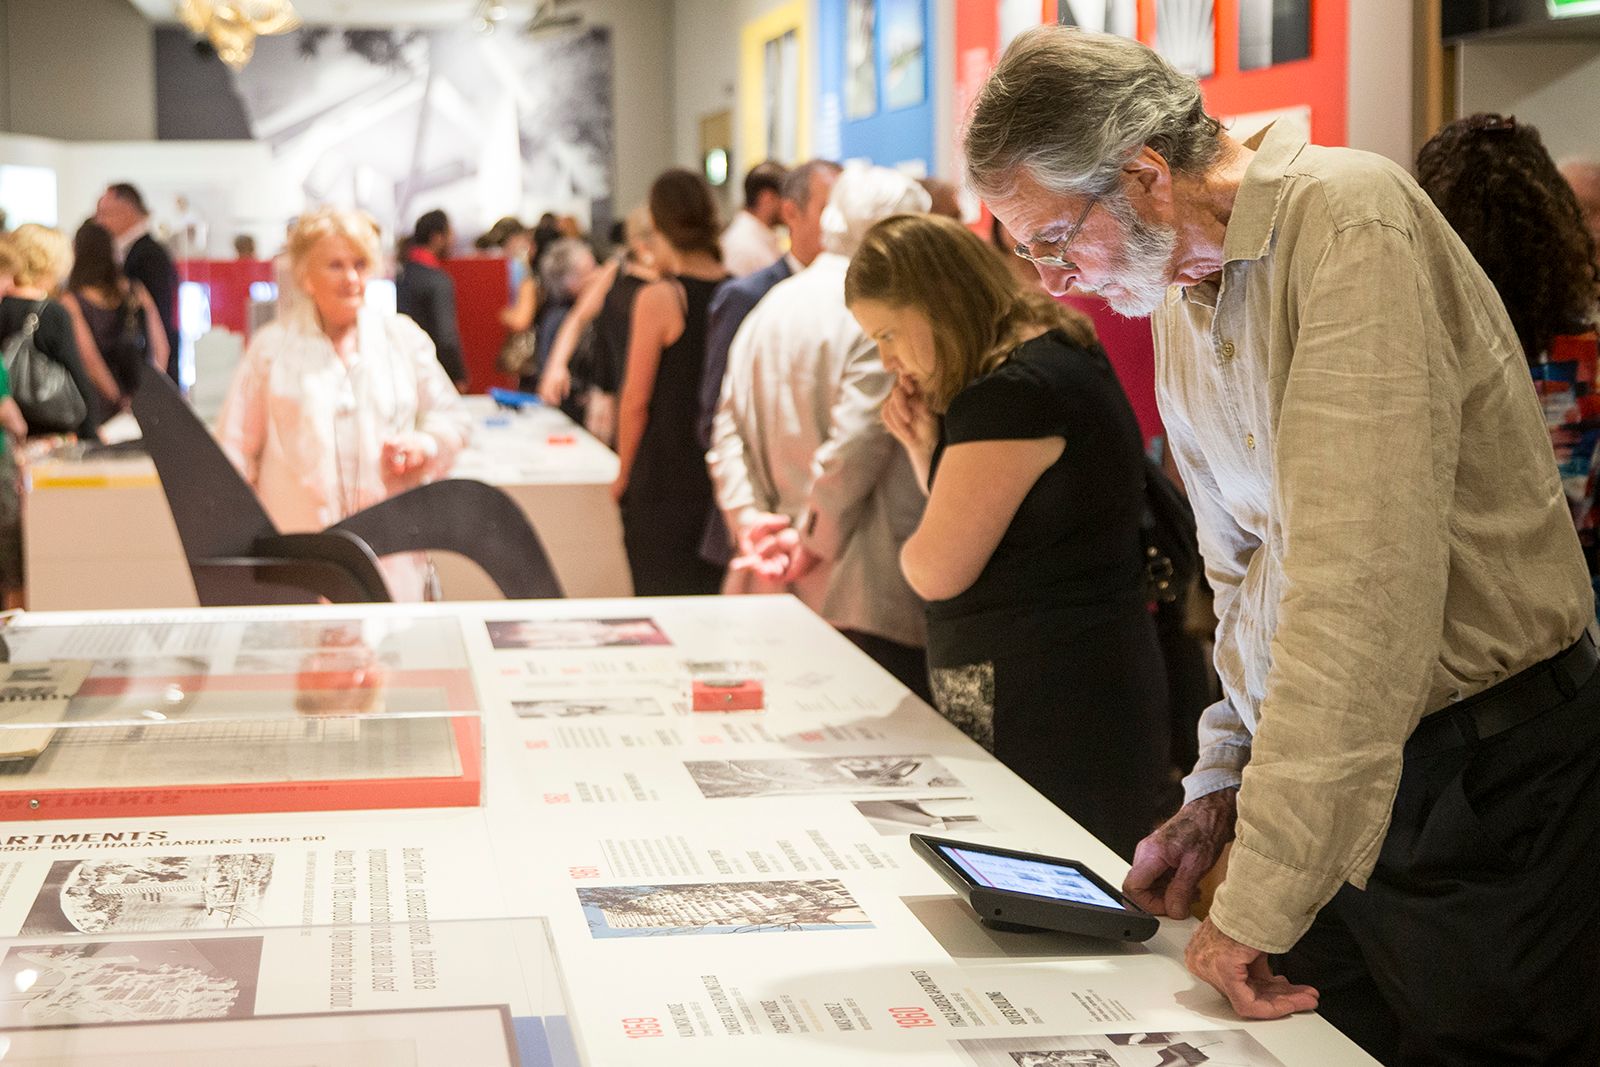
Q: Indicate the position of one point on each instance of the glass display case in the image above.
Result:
(191, 715)
(414, 994)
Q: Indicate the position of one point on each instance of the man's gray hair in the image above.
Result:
(862, 197)
(1068, 108)
(797, 186)
(562, 265)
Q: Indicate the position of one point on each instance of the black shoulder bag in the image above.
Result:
(42, 387)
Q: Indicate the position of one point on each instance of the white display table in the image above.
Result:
(99, 535)
(719, 888)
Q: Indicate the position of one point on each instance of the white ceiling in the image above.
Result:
(355, 12)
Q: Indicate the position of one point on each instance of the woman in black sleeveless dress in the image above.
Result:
(663, 487)
(114, 320)
(1041, 645)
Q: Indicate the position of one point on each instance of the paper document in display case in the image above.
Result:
(422, 993)
(223, 713)
(146, 876)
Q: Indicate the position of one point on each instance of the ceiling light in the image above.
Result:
(232, 26)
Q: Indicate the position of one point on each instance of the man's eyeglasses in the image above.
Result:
(1054, 258)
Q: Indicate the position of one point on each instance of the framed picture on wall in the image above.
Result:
(860, 59)
(782, 92)
(1186, 35)
(1273, 32)
(905, 45)
(1105, 16)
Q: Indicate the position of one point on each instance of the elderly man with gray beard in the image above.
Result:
(1407, 754)
(817, 494)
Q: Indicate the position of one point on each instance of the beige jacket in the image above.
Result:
(1378, 508)
(797, 433)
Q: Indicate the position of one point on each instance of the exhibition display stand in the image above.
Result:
(631, 881)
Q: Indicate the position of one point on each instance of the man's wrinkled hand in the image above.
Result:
(1168, 865)
(1241, 974)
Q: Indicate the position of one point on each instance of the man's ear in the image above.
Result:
(790, 213)
(1150, 173)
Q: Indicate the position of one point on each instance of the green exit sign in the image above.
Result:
(1566, 9)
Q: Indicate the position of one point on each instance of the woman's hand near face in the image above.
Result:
(906, 415)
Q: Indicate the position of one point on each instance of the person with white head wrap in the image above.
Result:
(861, 197)
(817, 495)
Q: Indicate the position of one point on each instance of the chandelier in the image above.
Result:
(232, 26)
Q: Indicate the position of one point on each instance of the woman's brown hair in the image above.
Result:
(1493, 181)
(936, 266)
(684, 212)
(94, 262)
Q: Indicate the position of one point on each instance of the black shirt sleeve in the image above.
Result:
(1012, 402)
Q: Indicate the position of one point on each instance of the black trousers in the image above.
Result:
(1477, 939)
(907, 663)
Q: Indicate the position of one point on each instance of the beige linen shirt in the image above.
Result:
(1378, 508)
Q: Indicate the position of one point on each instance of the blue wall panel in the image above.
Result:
(890, 136)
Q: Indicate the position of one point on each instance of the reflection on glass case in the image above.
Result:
(194, 715)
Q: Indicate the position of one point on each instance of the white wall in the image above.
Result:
(1380, 88)
(235, 172)
(705, 75)
(641, 35)
(5, 66)
(1554, 85)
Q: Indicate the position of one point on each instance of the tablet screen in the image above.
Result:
(1035, 877)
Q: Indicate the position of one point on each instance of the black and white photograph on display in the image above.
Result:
(1273, 32)
(1186, 35)
(150, 893)
(568, 634)
(781, 85)
(421, 1037)
(1220, 1048)
(820, 776)
(893, 817)
(85, 982)
(721, 908)
(1103, 16)
(860, 59)
(584, 707)
(398, 121)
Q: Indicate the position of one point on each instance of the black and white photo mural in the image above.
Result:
(397, 122)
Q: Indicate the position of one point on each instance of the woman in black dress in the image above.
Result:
(603, 315)
(113, 318)
(1040, 642)
(663, 486)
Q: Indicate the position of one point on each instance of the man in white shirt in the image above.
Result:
(750, 243)
(800, 457)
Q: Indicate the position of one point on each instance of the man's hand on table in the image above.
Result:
(1241, 974)
(1168, 865)
(1165, 880)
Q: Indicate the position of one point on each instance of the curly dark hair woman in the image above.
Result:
(1493, 180)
